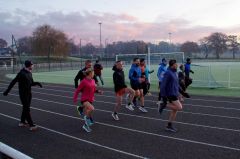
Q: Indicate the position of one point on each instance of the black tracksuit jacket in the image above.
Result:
(81, 76)
(118, 79)
(25, 82)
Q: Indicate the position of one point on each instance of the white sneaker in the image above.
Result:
(149, 94)
(158, 104)
(130, 107)
(115, 116)
(86, 128)
(33, 128)
(23, 124)
(142, 109)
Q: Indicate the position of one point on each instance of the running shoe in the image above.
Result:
(86, 128)
(80, 110)
(171, 129)
(149, 93)
(33, 128)
(115, 116)
(91, 121)
(21, 124)
(130, 107)
(142, 109)
(87, 121)
(158, 103)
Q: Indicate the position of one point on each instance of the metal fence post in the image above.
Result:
(229, 76)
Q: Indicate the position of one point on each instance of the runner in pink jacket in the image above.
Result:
(87, 87)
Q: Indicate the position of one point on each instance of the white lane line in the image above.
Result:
(132, 130)
(76, 138)
(12, 153)
(138, 116)
(207, 100)
(192, 105)
(184, 112)
(220, 101)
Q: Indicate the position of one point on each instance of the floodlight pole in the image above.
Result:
(169, 36)
(149, 65)
(80, 48)
(100, 45)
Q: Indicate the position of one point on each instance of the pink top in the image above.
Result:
(87, 87)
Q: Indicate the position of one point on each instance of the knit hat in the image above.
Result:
(28, 63)
(142, 60)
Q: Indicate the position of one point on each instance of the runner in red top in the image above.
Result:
(87, 87)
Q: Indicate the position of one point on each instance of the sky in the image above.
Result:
(148, 20)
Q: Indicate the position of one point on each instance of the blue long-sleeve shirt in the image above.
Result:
(161, 71)
(170, 85)
(134, 74)
(187, 69)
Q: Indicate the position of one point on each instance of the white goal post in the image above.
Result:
(153, 59)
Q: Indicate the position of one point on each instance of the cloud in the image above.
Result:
(114, 27)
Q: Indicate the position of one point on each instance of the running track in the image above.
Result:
(209, 127)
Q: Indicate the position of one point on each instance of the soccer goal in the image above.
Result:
(152, 59)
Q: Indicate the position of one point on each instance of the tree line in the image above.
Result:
(48, 41)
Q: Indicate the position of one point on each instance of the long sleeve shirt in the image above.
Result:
(80, 76)
(134, 74)
(87, 88)
(170, 85)
(187, 69)
(161, 71)
(118, 80)
(25, 82)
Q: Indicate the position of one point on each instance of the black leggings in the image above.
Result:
(26, 101)
(159, 94)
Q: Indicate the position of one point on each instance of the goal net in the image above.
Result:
(203, 76)
(152, 60)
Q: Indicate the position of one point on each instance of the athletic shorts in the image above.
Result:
(136, 86)
(172, 98)
(85, 101)
(121, 92)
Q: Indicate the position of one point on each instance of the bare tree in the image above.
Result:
(49, 41)
(233, 45)
(3, 43)
(190, 47)
(204, 46)
(217, 42)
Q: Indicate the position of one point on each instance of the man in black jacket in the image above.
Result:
(25, 82)
(81, 75)
(120, 89)
(98, 70)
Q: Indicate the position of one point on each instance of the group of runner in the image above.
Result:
(170, 83)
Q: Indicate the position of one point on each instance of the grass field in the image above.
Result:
(219, 77)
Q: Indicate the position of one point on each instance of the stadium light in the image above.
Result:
(100, 34)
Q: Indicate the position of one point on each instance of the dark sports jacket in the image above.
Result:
(118, 80)
(25, 82)
(81, 76)
(98, 69)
